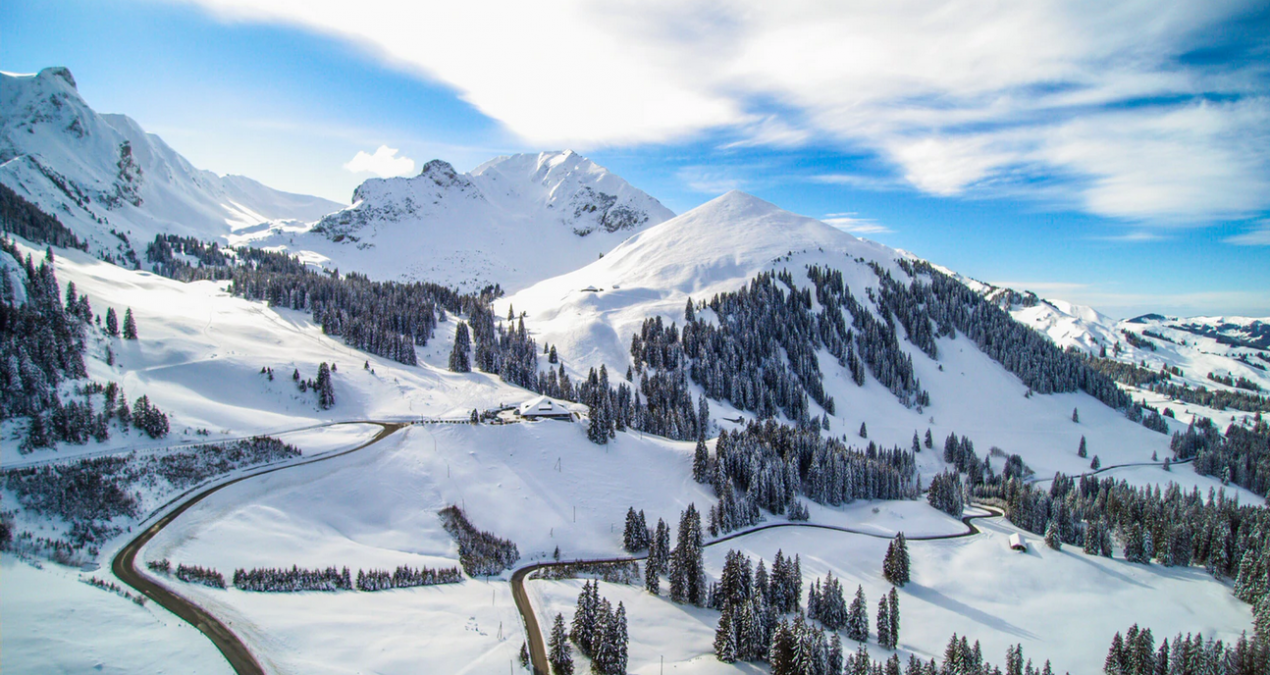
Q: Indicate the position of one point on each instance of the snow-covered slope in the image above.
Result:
(101, 173)
(1190, 348)
(513, 220)
(590, 316)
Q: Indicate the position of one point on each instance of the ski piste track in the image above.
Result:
(243, 662)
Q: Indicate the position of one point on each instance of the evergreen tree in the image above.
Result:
(701, 462)
(1082, 451)
(895, 566)
(725, 637)
(930, 442)
(687, 570)
(858, 617)
(1096, 463)
(112, 322)
(325, 387)
(129, 325)
(864, 431)
(689, 314)
(652, 572)
(558, 653)
(893, 598)
(884, 623)
(1075, 415)
(635, 536)
(1052, 538)
(917, 444)
(460, 355)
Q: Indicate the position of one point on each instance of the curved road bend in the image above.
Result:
(538, 648)
(123, 565)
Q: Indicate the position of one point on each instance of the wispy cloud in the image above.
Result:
(1136, 236)
(1259, 235)
(959, 98)
(849, 222)
(709, 180)
(384, 163)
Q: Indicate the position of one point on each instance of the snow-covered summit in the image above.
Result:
(102, 172)
(514, 220)
(717, 247)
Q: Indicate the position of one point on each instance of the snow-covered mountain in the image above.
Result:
(102, 174)
(513, 220)
(1212, 352)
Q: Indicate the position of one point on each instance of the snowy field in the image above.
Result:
(53, 624)
(1060, 605)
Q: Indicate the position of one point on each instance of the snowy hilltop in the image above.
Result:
(513, 220)
(115, 185)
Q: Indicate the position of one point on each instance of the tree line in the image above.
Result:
(480, 553)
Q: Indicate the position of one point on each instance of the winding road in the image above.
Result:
(124, 563)
(538, 648)
(241, 658)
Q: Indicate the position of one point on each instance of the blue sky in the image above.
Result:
(1117, 156)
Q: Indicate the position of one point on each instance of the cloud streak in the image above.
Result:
(960, 97)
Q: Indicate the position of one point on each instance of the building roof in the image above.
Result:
(543, 406)
(1016, 542)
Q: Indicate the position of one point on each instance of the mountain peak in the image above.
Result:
(60, 72)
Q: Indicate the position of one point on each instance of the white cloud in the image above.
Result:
(960, 95)
(848, 222)
(384, 163)
(1259, 235)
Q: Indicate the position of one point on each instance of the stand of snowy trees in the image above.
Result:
(1241, 456)
(1135, 653)
(294, 580)
(480, 553)
(406, 577)
(600, 631)
(766, 465)
(88, 495)
(952, 306)
(1169, 526)
(195, 574)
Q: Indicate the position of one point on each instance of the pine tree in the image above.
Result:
(1096, 463)
(917, 444)
(635, 536)
(689, 314)
(687, 570)
(460, 355)
(864, 431)
(129, 325)
(858, 617)
(725, 637)
(884, 623)
(112, 322)
(1051, 536)
(558, 653)
(701, 462)
(620, 641)
(930, 442)
(325, 387)
(893, 598)
(1082, 451)
(652, 572)
(1075, 415)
